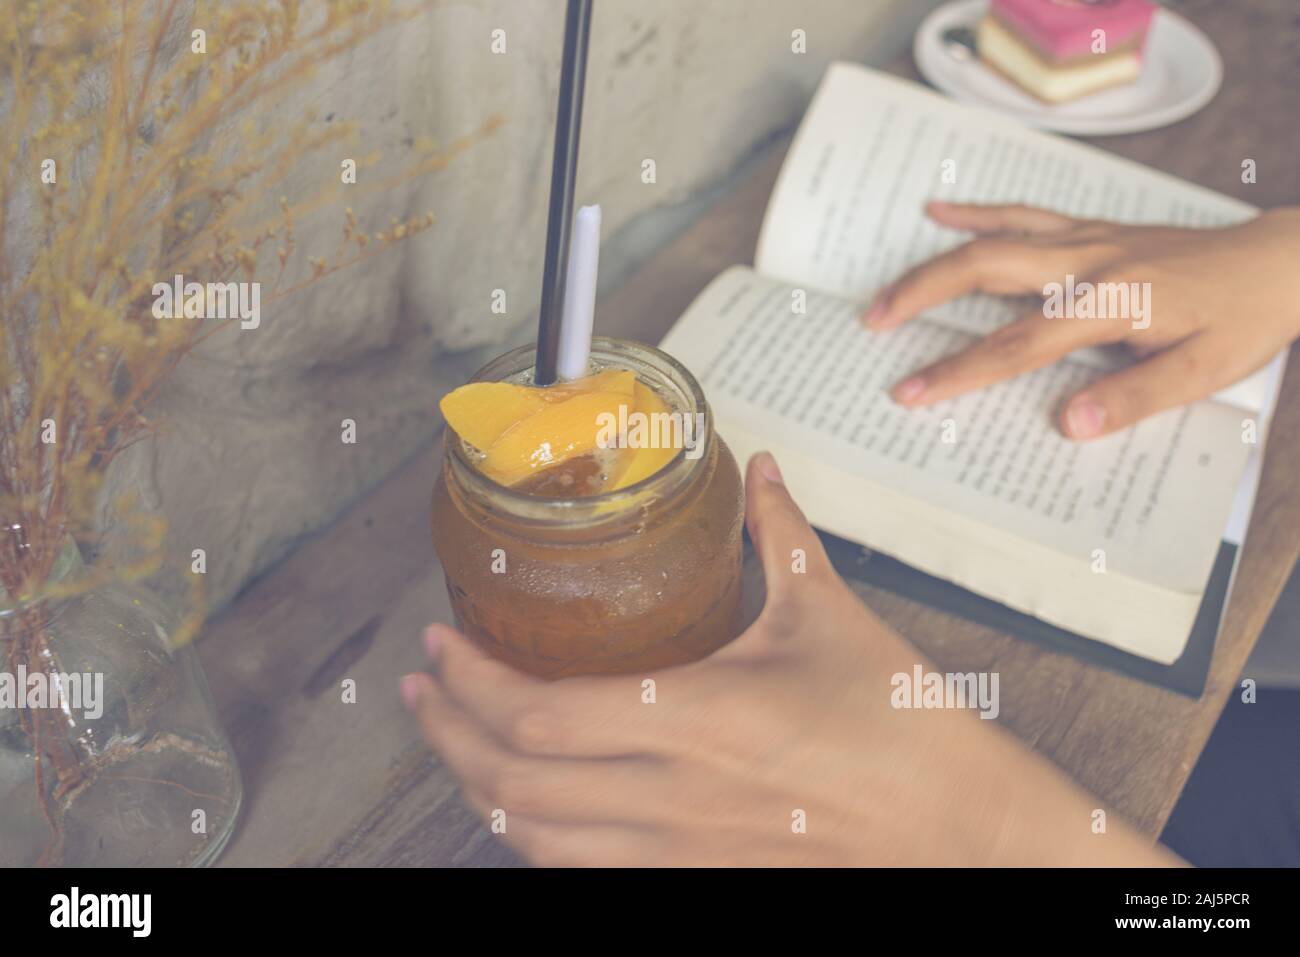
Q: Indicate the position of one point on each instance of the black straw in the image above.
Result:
(564, 167)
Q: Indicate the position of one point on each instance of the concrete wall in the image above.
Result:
(251, 457)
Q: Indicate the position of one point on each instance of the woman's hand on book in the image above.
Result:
(1201, 308)
(784, 747)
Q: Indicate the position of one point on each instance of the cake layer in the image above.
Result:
(1132, 45)
(1054, 84)
(1063, 29)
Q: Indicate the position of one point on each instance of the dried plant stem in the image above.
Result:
(139, 198)
(28, 642)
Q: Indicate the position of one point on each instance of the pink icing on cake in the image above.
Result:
(1062, 29)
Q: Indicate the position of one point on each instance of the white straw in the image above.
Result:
(579, 295)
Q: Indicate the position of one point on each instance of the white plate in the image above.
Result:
(1181, 72)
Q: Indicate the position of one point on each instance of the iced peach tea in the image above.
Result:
(592, 526)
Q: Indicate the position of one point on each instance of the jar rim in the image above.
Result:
(548, 510)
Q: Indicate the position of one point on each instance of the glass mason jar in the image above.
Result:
(112, 754)
(629, 580)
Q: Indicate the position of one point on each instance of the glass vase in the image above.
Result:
(110, 749)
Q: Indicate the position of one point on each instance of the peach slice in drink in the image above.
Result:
(526, 432)
(481, 411)
(545, 439)
(646, 461)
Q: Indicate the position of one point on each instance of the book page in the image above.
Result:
(847, 213)
(1149, 503)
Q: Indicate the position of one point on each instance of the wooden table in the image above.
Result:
(331, 783)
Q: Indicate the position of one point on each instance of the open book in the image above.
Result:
(1113, 540)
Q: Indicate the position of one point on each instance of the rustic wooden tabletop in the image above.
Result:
(334, 783)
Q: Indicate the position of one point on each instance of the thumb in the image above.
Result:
(789, 549)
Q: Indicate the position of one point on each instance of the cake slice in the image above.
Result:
(1060, 50)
